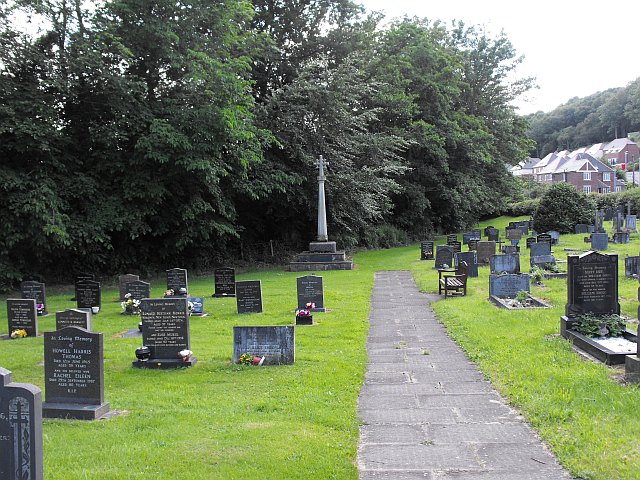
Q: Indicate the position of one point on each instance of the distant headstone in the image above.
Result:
(539, 249)
(310, 290)
(22, 315)
(488, 229)
(476, 233)
(505, 263)
(471, 258)
(466, 237)
(620, 237)
(485, 250)
(74, 375)
(608, 214)
(544, 237)
(582, 228)
(523, 226)
(81, 277)
(493, 235)
(249, 296)
(426, 250)
(275, 343)
(452, 238)
(592, 284)
(457, 246)
(37, 291)
(89, 295)
(473, 245)
(631, 265)
(74, 318)
(555, 236)
(630, 222)
(21, 456)
(530, 241)
(599, 241)
(444, 256)
(177, 279)
(508, 286)
(618, 222)
(197, 306)
(165, 330)
(225, 282)
(542, 261)
(139, 289)
(509, 249)
(514, 233)
(123, 281)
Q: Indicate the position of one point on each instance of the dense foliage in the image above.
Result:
(138, 135)
(561, 208)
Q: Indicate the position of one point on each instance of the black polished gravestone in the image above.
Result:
(444, 256)
(176, 280)
(471, 258)
(473, 245)
(74, 318)
(89, 295)
(530, 241)
(21, 456)
(452, 238)
(488, 229)
(310, 289)
(22, 315)
(123, 281)
(457, 246)
(165, 331)
(249, 296)
(493, 234)
(80, 278)
(509, 263)
(275, 343)
(426, 250)
(37, 291)
(225, 282)
(592, 287)
(138, 289)
(467, 237)
(544, 237)
(74, 375)
(631, 265)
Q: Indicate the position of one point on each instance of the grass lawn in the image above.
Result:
(224, 421)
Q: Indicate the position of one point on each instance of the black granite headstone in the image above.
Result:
(310, 289)
(249, 296)
(139, 289)
(471, 258)
(488, 229)
(592, 284)
(21, 456)
(530, 241)
(74, 375)
(631, 265)
(22, 315)
(544, 237)
(493, 235)
(426, 250)
(177, 279)
(444, 256)
(473, 245)
(275, 343)
(37, 291)
(74, 318)
(457, 246)
(81, 277)
(225, 282)
(123, 281)
(89, 295)
(452, 238)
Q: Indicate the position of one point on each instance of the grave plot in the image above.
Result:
(513, 292)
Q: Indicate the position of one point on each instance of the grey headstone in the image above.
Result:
(493, 234)
(74, 374)
(197, 304)
(485, 250)
(74, 318)
(631, 265)
(123, 280)
(542, 261)
(592, 284)
(21, 456)
(505, 263)
(310, 289)
(139, 289)
(540, 249)
(544, 237)
(508, 286)
(555, 236)
(22, 315)
(37, 291)
(249, 296)
(513, 233)
(275, 343)
(469, 236)
(225, 282)
(621, 237)
(473, 245)
(599, 241)
(89, 295)
(471, 258)
(581, 228)
(177, 279)
(444, 256)
(530, 241)
(630, 222)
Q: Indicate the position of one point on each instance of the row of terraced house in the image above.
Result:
(589, 169)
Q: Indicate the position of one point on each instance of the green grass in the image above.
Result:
(224, 421)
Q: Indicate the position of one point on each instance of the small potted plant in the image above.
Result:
(130, 306)
(303, 316)
(249, 359)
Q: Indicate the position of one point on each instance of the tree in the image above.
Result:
(561, 208)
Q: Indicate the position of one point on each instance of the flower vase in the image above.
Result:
(304, 319)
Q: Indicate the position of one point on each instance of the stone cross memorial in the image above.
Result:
(74, 318)
(225, 282)
(177, 279)
(165, 331)
(275, 343)
(249, 296)
(22, 315)
(21, 456)
(74, 375)
(310, 289)
(37, 291)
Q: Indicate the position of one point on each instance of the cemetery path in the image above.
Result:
(426, 410)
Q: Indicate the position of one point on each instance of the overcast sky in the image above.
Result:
(573, 48)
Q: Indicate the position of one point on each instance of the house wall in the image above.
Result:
(630, 152)
(577, 180)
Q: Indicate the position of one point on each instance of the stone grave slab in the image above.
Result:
(224, 282)
(37, 291)
(74, 317)
(275, 343)
(21, 453)
(509, 263)
(123, 281)
(22, 315)
(508, 285)
(310, 289)
(89, 295)
(249, 296)
(74, 375)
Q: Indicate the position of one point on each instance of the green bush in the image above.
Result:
(561, 208)
(591, 326)
(525, 207)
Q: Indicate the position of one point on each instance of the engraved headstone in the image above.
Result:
(310, 289)
(21, 456)
(165, 331)
(592, 284)
(138, 289)
(473, 245)
(89, 295)
(74, 375)
(508, 286)
(22, 315)
(485, 250)
(74, 318)
(225, 282)
(505, 263)
(457, 246)
(620, 237)
(37, 291)
(196, 305)
(539, 249)
(275, 343)
(488, 229)
(444, 256)
(123, 281)
(81, 277)
(477, 234)
(509, 249)
(582, 228)
(530, 241)
(177, 280)
(426, 250)
(471, 258)
(544, 237)
(466, 237)
(514, 234)
(630, 222)
(493, 235)
(452, 238)
(631, 265)
(599, 241)
(542, 261)
(249, 296)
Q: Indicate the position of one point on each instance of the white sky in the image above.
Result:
(573, 48)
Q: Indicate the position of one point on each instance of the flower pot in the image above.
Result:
(302, 319)
(143, 353)
(257, 361)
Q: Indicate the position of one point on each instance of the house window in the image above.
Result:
(618, 188)
(586, 189)
(606, 177)
(612, 161)
(548, 177)
(586, 176)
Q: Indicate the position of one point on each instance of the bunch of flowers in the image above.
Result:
(169, 293)
(40, 308)
(307, 309)
(131, 306)
(248, 359)
(20, 333)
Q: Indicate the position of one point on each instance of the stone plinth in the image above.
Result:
(321, 256)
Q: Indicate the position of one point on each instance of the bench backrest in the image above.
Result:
(463, 268)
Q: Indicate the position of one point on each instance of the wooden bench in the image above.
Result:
(453, 281)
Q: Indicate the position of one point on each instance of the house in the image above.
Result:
(580, 169)
(621, 152)
(524, 169)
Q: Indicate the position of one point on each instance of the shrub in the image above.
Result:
(525, 207)
(591, 326)
(561, 208)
